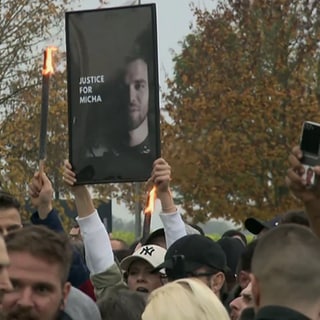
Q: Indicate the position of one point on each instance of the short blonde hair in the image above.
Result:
(184, 299)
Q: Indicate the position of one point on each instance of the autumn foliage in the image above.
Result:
(247, 77)
(26, 29)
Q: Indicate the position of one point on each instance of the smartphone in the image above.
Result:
(310, 147)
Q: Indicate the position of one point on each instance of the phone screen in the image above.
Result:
(310, 139)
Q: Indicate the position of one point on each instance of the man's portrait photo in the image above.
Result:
(309, 176)
(113, 99)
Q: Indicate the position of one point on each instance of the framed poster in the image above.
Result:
(113, 93)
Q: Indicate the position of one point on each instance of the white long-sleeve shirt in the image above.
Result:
(97, 245)
(174, 227)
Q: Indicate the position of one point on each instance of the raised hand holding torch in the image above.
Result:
(160, 179)
(161, 176)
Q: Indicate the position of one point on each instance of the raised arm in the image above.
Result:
(172, 221)
(41, 195)
(99, 255)
(309, 196)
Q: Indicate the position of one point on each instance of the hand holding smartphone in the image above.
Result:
(310, 147)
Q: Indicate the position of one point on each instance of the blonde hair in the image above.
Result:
(184, 299)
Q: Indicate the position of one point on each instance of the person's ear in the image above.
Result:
(255, 290)
(217, 281)
(243, 279)
(138, 246)
(65, 292)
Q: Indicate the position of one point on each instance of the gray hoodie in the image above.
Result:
(79, 306)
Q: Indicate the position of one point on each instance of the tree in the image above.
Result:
(25, 30)
(246, 79)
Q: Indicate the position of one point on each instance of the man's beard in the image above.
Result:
(135, 122)
(19, 313)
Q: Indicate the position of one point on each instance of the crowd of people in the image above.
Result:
(176, 272)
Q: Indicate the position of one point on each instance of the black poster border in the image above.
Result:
(133, 171)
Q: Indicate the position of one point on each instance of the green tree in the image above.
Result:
(246, 79)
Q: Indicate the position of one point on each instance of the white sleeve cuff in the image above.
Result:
(174, 227)
(99, 254)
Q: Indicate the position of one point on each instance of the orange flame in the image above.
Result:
(151, 200)
(48, 65)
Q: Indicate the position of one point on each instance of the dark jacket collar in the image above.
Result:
(63, 316)
(279, 313)
(247, 314)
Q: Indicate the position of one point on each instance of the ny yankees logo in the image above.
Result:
(147, 251)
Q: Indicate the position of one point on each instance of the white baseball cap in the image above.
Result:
(150, 253)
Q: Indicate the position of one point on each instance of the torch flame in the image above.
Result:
(48, 65)
(151, 200)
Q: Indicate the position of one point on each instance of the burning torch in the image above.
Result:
(148, 212)
(47, 71)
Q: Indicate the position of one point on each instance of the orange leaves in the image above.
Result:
(184, 78)
(240, 94)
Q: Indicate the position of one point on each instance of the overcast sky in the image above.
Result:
(174, 18)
